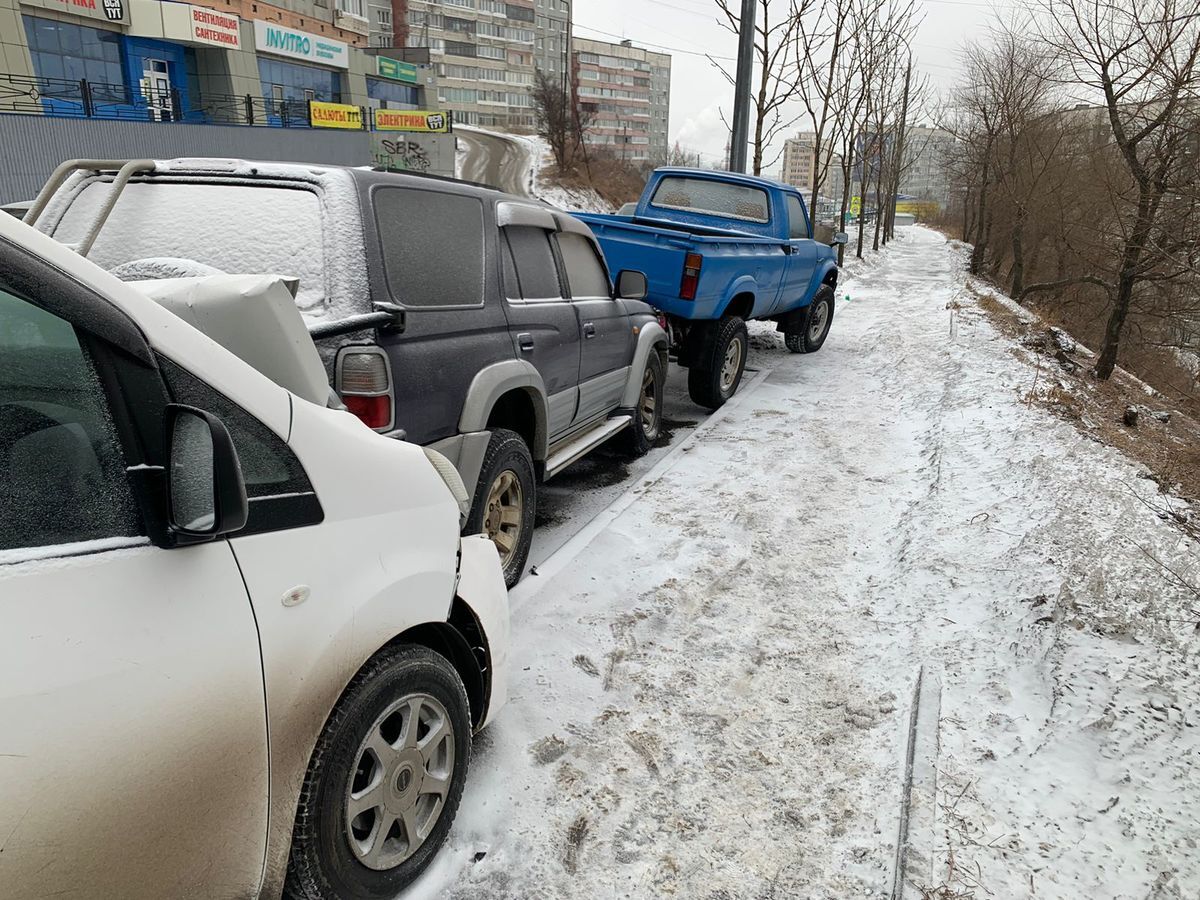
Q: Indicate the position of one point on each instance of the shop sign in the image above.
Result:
(280, 41)
(412, 120)
(335, 115)
(386, 67)
(211, 27)
(105, 10)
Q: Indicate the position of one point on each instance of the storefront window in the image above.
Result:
(288, 81)
(74, 52)
(391, 94)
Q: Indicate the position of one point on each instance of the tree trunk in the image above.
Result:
(1126, 279)
(1018, 252)
(981, 214)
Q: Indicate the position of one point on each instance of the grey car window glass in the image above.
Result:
(585, 273)
(62, 472)
(713, 198)
(534, 258)
(415, 229)
(512, 284)
(797, 223)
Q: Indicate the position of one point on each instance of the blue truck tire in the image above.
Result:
(720, 359)
(814, 325)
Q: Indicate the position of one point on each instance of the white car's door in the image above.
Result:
(133, 752)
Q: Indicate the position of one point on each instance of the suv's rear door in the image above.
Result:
(607, 341)
(544, 327)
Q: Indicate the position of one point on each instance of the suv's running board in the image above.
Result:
(582, 445)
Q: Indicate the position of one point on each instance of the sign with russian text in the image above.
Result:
(386, 67)
(335, 115)
(425, 121)
(280, 41)
(216, 28)
(105, 10)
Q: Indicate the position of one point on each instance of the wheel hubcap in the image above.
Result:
(732, 365)
(820, 316)
(649, 405)
(504, 514)
(400, 782)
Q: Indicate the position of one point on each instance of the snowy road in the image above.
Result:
(709, 699)
(495, 159)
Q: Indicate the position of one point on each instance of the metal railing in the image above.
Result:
(84, 99)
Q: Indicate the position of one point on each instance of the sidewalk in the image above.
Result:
(711, 698)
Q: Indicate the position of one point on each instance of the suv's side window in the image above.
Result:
(532, 263)
(585, 273)
(415, 228)
(798, 223)
(62, 472)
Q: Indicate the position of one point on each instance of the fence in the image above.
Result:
(83, 99)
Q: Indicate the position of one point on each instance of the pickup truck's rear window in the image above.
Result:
(712, 198)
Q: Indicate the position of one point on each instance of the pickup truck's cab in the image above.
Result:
(509, 347)
(718, 249)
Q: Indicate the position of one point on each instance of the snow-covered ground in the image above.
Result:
(711, 690)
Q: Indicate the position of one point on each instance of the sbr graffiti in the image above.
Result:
(404, 155)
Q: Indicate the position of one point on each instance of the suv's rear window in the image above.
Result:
(238, 229)
(712, 198)
(432, 246)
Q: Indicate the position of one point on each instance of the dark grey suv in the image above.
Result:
(482, 325)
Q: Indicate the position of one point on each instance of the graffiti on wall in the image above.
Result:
(401, 154)
(423, 154)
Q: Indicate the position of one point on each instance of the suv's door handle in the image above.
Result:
(525, 342)
(589, 330)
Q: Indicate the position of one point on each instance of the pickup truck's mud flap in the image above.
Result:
(796, 320)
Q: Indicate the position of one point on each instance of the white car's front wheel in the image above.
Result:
(384, 782)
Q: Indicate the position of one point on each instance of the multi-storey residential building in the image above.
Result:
(552, 27)
(627, 92)
(485, 52)
(799, 159)
(927, 175)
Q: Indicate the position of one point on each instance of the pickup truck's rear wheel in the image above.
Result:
(816, 326)
(505, 501)
(647, 417)
(716, 373)
(384, 782)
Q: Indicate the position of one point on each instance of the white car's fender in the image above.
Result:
(481, 587)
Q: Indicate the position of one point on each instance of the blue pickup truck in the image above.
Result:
(719, 249)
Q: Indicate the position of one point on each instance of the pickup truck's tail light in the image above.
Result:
(691, 276)
(364, 381)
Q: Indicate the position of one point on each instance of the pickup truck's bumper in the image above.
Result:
(481, 587)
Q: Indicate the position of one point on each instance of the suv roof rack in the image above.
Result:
(478, 184)
(125, 169)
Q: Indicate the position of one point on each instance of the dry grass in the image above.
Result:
(614, 179)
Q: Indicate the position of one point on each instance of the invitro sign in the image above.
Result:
(281, 41)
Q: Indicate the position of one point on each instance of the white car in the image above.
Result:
(243, 650)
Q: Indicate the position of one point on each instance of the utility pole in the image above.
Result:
(743, 89)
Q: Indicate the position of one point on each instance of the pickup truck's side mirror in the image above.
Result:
(632, 285)
(840, 237)
(206, 494)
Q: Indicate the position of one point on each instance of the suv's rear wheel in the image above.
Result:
(505, 501)
(384, 782)
(715, 376)
(647, 417)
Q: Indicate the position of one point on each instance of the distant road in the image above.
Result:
(496, 160)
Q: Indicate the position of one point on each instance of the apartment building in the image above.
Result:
(799, 160)
(486, 53)
(627, 91)
(552, 28)
(927, 173)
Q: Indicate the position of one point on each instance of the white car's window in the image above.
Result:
(585, 274)
(708, 197)
(234, 228)
(62, 473)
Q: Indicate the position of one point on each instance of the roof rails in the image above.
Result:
(124, 168)
(478, 184)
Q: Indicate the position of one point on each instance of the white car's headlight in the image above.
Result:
(453, 480)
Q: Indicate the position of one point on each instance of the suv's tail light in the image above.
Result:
(691, 276)
(364, 381)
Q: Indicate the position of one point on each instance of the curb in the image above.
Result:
(532, 585)
(917, 838)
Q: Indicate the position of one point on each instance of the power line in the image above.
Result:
(623, 37)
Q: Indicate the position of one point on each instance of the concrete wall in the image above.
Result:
(34, 145)
(425, 154)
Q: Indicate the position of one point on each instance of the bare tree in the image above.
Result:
(777, 73)
(563, 119)
(1142, 58)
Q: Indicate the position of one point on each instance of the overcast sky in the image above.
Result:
(688, 30)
